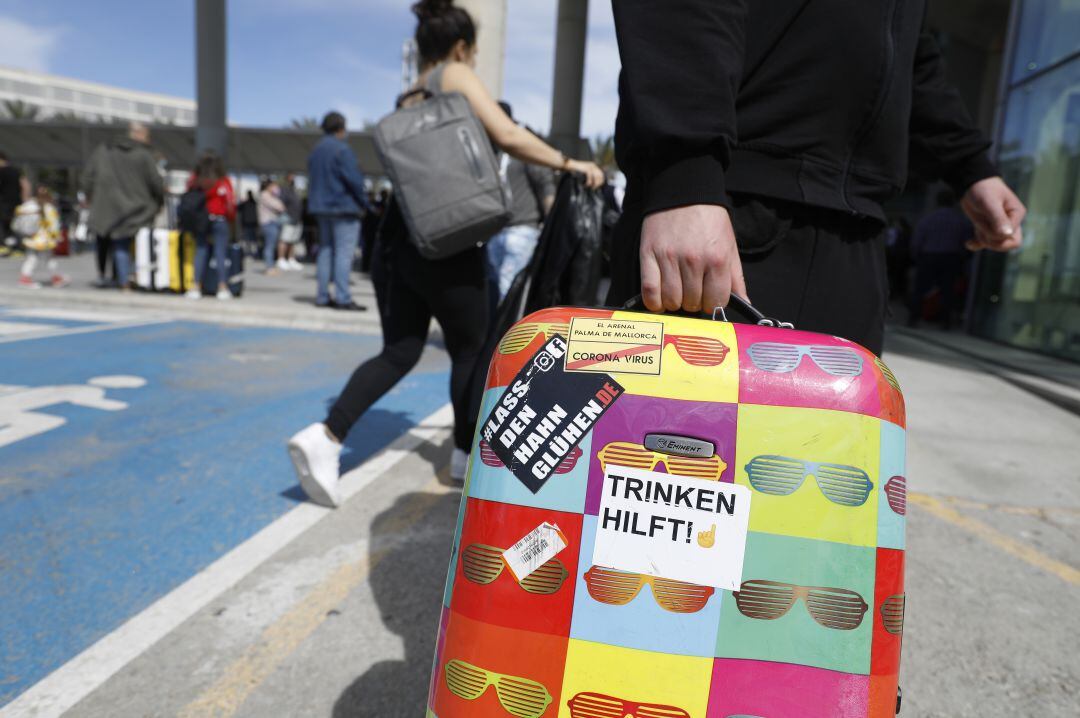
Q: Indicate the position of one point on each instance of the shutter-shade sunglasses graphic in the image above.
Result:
(783, 475)
(521, 697)
(892, 614)
(697, 351)
(636, 456)
(618, 588)
(599, 705)
(779, 358)
(896, 494)
(837, 608)
(887, 373)
(483, 564)
(523, 335)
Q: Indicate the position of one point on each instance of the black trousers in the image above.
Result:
(410, 291)
(820, 269)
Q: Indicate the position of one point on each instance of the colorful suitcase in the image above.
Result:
(668, 517)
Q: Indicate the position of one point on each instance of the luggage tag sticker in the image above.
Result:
(677, 527)
(534, 550)
(614, 345)
(545, 413)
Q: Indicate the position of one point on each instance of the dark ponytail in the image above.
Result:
(440, 25)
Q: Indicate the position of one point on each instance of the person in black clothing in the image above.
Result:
(760, 140)
(411, 289)
(10, 198)
(939, 253)
(248, 213)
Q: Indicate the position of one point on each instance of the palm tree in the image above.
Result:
(19, 110)
(305, 123)
(65, 116)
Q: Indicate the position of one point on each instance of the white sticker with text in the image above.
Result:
(537, 548)
(676, 527)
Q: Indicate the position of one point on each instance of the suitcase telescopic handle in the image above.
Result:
(742, 305)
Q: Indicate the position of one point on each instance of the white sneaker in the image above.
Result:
(459, 464)
(316, 458)
(193, 294)
(283, 264)
(224, 294)
(294, 265)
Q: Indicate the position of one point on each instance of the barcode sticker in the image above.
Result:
(537, 548)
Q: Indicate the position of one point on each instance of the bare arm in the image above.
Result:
(511, 138)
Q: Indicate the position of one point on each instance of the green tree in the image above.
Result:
(304, 123)
(19, 110)
(65, 116)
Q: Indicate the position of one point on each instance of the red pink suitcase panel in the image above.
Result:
(708, 520)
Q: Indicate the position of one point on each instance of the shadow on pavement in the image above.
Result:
(410, 548)
(899, 343)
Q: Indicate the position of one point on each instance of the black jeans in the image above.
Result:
(820, 269)
(410, 291)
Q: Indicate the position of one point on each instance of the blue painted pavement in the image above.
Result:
(104, 514)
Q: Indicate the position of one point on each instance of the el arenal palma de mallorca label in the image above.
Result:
(545, 412)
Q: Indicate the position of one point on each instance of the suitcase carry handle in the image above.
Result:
(742, 305)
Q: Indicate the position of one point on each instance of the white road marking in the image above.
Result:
(118, 381)
(9, 328)
(20, 410)
(71, 315)
(84, 673)
(53, 331)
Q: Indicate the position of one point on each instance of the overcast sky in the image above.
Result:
(292, 58)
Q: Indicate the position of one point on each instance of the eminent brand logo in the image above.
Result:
(679, 445)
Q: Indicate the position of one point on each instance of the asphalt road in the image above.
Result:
(333, 613)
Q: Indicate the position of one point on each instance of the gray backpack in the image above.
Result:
(447, 180)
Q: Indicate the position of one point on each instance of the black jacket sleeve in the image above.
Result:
(944, 141)
(681, 64)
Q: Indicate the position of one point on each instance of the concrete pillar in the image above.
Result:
(210, 65)
(570, 31)
(490, 19)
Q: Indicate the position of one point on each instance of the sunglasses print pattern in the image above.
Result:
(522, 335)
(892, 614)
(521, 697)
(599, 705)
(483, 564)
(887, 373)
(636, 456)
(896, 494)
(782, 476)
(836, 608)
(780, 358)
(618, 588)
(490, 458)
(697, 351)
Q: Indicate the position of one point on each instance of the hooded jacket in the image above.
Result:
(124, 187)
(819, 102)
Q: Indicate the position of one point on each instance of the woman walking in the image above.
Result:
(413, 289)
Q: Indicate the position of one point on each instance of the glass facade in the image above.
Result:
(1031, 297)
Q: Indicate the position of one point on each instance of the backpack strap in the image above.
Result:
(432, 86)
(433, 83)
